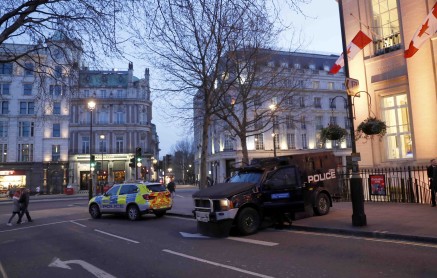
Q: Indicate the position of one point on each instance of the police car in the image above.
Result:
(132, 199)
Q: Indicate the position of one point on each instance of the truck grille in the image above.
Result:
(202, 203)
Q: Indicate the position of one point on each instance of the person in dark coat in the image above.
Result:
(16, 206)
(24, 201)
(432, 176)
(171, 186)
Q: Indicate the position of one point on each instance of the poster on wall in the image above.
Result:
(377, 185)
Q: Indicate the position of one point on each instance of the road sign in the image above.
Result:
(352, 86)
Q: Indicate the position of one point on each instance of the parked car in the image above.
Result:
(132, 199)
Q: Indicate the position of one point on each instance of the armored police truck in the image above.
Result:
(268, 187)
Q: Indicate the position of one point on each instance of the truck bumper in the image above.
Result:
(215, 224)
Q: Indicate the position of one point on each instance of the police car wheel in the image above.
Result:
(322, 204)
(248, 221)
(133, 212)
(95, 211)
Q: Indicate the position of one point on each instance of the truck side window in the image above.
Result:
(283, 178)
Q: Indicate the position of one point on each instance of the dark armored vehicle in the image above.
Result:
(269, 187)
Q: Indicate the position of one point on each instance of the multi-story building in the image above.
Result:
(318, 98)
(402, 90)
(34, 116)
(113, 129)
(46, 132)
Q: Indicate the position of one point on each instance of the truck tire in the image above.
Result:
(248, 221)
(322, 205)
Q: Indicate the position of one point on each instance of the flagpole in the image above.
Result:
(356, 182)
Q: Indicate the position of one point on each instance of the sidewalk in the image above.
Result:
(402, 221)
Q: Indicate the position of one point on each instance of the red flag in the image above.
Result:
(423, 33)
(355, 46)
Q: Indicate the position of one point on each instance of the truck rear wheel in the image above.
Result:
(248, 221)
(322, 204)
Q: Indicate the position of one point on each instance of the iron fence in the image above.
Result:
(402, 185)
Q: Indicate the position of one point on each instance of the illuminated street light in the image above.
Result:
(91, 107)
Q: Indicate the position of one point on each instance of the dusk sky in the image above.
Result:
(321, 31)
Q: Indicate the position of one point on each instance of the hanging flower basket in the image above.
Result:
(333, 132)
(370, 127)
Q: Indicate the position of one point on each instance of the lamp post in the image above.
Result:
(356, 182)
(102, 139)
(91, 107)
(273, 108)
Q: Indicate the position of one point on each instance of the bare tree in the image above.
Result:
(183, 161)
(188, 40)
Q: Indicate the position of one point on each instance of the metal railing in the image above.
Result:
(400, 184)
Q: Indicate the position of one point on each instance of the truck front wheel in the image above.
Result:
(248, 221)
(322, 204)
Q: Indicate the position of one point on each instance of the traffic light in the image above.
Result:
(93, 160)
(138, 154)
(132, 162)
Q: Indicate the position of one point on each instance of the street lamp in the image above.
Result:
(356, 182)
(91, 107)
(102, 139)
(273, 108)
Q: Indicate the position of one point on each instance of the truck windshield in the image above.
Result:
(246, 177)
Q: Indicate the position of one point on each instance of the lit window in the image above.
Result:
(386, 26)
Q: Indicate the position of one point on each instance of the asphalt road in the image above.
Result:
(65, 242)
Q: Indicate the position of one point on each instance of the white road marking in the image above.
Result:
(72, 221)
(253, 241)
(119, 237)
(400, 242)
(217, 264)
(178, 217)
(193, 235)
(40, 225)
(2, 271)
(87, 266)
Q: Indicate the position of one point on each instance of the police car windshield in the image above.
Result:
(246, 177)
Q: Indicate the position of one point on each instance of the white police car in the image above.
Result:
(132, 199)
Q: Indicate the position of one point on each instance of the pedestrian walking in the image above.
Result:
(15, 207)
(24, 206)
(432, 176)
(171, 186)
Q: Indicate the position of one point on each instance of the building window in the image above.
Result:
(259, 142)
(333, 120)
(3, 129)
(102, 146)
(25, 152)
(304, 142)
(229, 143)
(103, 117)
(6, 68)
(289, 123)
(302, 122)
(119, 144)
(330, 86)
(55, 90)
(386, 26)
(317, 102)
(296, 66)
(103, 94)
(85, 144)
(58, 71)
(56, 152)
(29, 68)
(121, 94)
(5, 107)
(26, 129)
(301, 102)
(56, 108)
(4, 88)
(86, 93)
(316, 85)
(56, 130)
(119, 117)
(27, 89)
(319, 122)
(291, 141)
(398, 138)
(4, 152)
(27, 108)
